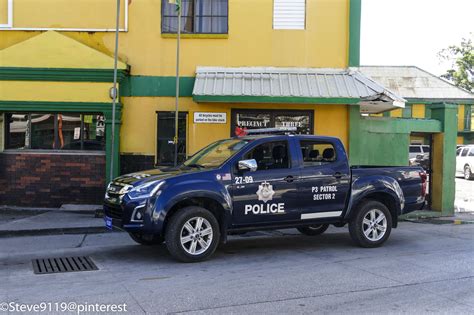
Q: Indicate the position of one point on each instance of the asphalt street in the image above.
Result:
(423, 268)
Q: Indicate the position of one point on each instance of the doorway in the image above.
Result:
(421, 154)
(165, 135)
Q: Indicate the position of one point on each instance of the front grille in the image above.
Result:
(113, 212)
(118, 188)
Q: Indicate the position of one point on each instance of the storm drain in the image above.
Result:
(63, 264)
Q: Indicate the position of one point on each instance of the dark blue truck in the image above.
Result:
(261, 182)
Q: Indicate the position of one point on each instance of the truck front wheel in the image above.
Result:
(312, 230)
(371, 225)
(192, 234)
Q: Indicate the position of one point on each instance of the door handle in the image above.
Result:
(337, 175)
(289, 178)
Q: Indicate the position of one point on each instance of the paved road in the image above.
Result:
(423, 268)
(464, 195)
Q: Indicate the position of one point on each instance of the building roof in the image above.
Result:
(413, 83)
(292, 85)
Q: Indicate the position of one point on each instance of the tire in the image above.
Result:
(361, 227)
(468, 173)
(186, 244)
(312, 230)
(146, 239)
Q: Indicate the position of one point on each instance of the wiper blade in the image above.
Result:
(195, 165)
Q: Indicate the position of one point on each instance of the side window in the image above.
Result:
(458, 151)
(317, 153)
(415, 149)
(464, 152)
(471, 153)
(197, 17)
(270, 155)
(426, 149)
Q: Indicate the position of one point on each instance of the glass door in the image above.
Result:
(165, 135)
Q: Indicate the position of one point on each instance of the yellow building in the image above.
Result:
(244, 64)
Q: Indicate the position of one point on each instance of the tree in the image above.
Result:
(462, 64)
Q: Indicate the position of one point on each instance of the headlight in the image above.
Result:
(146, 190)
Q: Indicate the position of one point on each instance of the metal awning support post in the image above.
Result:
(177, 87)
(114, 92)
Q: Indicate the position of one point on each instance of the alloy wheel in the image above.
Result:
(196, 235)
(374, 225)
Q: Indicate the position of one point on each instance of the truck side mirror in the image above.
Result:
(248, 165)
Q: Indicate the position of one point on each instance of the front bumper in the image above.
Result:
(121, 217)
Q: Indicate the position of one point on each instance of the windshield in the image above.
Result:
(215, 154)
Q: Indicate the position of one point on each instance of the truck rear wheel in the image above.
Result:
(146, 239)
(371, 225)
(312, 230)
(192, 234)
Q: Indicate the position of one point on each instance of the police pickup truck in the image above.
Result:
(258, 182)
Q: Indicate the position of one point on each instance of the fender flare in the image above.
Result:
(187, 190)
(379, 184)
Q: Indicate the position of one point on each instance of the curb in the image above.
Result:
(34, 211)
(434, 217)
(54, 231)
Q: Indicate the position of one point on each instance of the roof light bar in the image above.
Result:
(277, 130)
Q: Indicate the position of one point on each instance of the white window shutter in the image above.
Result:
(289, 14)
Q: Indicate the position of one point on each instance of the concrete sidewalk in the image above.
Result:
(49, 222)
(424, 216)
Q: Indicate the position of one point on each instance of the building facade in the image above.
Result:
(244, 64)
(56, 73)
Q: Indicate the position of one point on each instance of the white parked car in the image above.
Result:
(416, 149)
(465, 161)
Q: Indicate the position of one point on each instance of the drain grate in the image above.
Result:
(63, 264)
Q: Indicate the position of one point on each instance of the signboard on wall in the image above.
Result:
(264, 118)
(210, 118)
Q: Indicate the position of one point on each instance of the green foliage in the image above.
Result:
(462, 64)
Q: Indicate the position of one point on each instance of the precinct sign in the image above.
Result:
(210, 118)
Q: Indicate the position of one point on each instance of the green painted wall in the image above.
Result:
(383, 140)
(354, 32)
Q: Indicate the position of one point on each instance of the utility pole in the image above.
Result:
(114, 92)
(176, 122)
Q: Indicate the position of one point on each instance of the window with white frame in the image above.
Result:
(289, 14)
(6, 13)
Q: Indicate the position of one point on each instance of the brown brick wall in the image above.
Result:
(50, 180)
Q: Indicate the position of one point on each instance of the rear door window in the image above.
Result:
(415, 149)
(317, 153)
(471, 153)
(464, 152)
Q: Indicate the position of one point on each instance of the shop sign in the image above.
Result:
(210, 118)
(253, 120)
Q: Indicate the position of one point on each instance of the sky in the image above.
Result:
(412, 32)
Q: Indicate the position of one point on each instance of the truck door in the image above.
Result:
(269, 194)
(325, 179)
